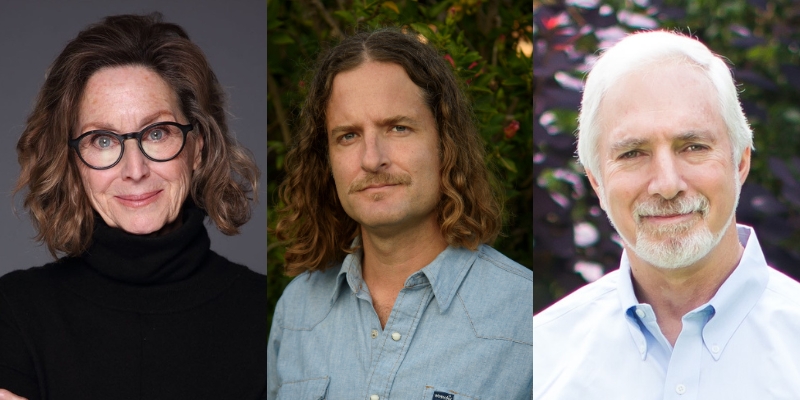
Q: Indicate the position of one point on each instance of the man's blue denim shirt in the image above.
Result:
(461, 328)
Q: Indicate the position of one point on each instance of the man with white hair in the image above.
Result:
(693, 312)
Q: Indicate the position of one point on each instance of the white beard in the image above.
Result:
(675, 246)
(678, 245)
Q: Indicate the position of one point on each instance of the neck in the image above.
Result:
(389, 259)
(674, 292)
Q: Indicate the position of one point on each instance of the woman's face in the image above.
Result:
(137, 195)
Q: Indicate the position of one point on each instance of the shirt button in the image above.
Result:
(715, 349)
(374, 397)
(640, 313)
(395, 336)
(680, 389)
(374, 333)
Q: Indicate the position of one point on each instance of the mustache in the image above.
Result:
(679, 205)
(380, 178)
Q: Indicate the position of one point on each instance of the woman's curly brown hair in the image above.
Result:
(224, 185)
(314, 225)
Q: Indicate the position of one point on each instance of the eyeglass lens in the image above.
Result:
(159, 142)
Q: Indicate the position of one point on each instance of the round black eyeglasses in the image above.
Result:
(159, 142)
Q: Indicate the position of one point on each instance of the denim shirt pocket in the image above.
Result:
(307, 389)
(434, 392)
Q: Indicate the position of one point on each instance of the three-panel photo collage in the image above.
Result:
(400, 200)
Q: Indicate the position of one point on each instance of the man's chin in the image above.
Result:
(674, 251)
(380, 222)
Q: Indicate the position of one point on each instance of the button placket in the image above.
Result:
(406, 314)
(683, 373)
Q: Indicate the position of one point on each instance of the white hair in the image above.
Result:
(640, 50)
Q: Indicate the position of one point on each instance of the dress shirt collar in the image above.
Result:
(729, 306)
(445, 274)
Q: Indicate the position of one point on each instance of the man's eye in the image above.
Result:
(399, 128)
(630, 154)
(347, 137)
(696, 147)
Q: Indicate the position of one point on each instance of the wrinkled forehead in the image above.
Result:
(659, 93)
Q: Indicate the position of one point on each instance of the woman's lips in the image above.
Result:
(138, 200)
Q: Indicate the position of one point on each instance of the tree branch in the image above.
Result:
(327, 17)
(272, 89)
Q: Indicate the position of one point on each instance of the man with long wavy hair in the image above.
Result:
(389, 208)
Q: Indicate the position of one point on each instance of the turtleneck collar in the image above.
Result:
(149, 260)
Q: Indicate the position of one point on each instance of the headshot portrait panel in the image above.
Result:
(398, 157)
(134, 241)
(574, 242)
(233, 40)
(666, 248)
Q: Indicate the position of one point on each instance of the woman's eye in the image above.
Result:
(102, 141)
(156, 134)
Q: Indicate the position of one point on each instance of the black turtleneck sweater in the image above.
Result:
(135, 318)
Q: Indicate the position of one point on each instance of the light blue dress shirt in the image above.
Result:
(601, 343)
(459, 329)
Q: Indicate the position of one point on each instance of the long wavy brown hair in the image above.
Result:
(314, 225)
(224, 185)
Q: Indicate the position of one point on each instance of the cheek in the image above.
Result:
(95, 182)
(434, 176)
(425, 163)
(623, 188)
(342, 172)
(619, 197)
(177, 177)
(178, 173)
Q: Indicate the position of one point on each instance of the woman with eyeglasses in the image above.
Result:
(123, 158)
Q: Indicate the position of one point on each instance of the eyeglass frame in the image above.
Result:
(185, 129)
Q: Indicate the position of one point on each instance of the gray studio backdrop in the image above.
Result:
(233, 35)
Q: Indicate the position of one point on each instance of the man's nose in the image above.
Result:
(375, 153)
(666, 179)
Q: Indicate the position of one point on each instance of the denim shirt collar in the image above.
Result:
(445, 274)
(728, 307)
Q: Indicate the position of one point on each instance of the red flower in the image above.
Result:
(471, 66)
(550, 23)
(511, 129)
(448, 58)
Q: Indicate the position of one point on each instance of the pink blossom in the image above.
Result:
(448, 58)
(511, 129)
